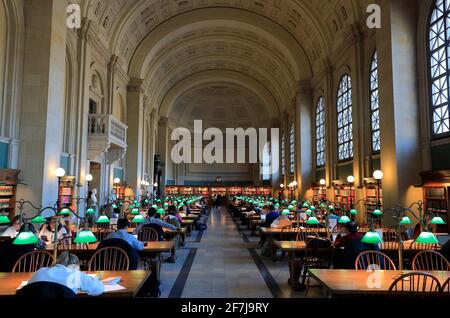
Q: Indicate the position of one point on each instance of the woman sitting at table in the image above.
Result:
(14, 228)
(67, 272)
(48, 230)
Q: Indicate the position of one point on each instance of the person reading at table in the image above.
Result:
(151, 219)
(48, 230)
(282, 221)
(67, 273)
(271, 216)
(13, 229)
(172, 218)
(122, 233)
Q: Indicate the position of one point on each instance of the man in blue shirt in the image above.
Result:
(153, 220)
(271, 216)
(121, 233)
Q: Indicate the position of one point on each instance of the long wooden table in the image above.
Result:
(345, 283)
(131, 280)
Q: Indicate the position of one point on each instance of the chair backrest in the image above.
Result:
(133, 254)
(148, 234)
(318, 253)
(103, 232)
(415, 284)
(109, 259)
(446, 287)
(45, 290)
(374, 258)
(32, 261)
(430, 260)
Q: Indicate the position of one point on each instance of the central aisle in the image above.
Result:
(223, 266)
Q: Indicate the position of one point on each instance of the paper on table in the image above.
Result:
(22, 284)
(111, 288)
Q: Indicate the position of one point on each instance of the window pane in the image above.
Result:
(292, 149)
(320, 133)
(374, 104)
(344, 119)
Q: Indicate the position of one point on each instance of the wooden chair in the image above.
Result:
(446, 288)
(103, 232)
(415, 284)
(109, 259)
(379, 259)
(429, 260)
(414, 248)
(32, 261)
(148, 234)
(318, 254)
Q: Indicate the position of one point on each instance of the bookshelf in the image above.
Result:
(186, 190)
(319, 192)
(235, 190)
(171, 190)
(370, 188)
(249, 191)
(219, 191)
(8, 190)
(66, 190)
(436, 187)
(342, 194)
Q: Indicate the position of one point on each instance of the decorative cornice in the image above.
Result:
(112, 63)
(304, 88)
(135, 85)
(85, 32)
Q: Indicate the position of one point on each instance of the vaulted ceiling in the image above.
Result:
(264, 46)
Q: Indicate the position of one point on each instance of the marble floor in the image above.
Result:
(226, 262)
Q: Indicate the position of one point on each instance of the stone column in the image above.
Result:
(42, 99)
(330, 127)
(399, 107)
(135, 122)
(303, 148)
(275, 176)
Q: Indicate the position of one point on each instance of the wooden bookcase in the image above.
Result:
(234, 190)
(436, 187)
(66, 191)
(249, 191)
(370, 189)
(219, 190)
(171, 190)
(8, 190)
(319, 192)
(342, 194)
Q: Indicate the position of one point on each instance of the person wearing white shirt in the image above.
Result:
(48, 231)
(67, 272)
(13, 229)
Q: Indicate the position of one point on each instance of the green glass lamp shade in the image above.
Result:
(308, 212)
(65, 211)
(138, 205)
(135, 211)
(377, 212)
(4, 219)
(38, 220)
(25, 238)
(114, 206)
(276, 201)
(166, 204)
(330, 207)
(312, 208)
(290, 207)
(322, 205)
(344, 219)
(138, 219)
(154, 206)
(437, 220)
(146, 201)
(427, 238)
(294, 202)
(85, 236)
(305, 205)
(90, 211)
(285, 212)
(160, 211)
(372, 237)
(103, 219)
(353, 212)
(158, 200)
(312, 221)
(181, 205)
(405, 220)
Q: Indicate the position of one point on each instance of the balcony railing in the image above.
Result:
(106, 125)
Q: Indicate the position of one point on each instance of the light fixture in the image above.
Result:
(294, 183)
(281, 186)
(308, 212)
(26, 236)
(437, 220)
(116, 180)
(85, 236)
(372, 237)
(305, 204)
(378, 174)
(60, 172)
(160, 211)
(353, 212)
(88, 177)
(322, 182)
(143, 182)
(344, 219)
(38, 220)
(4, 219)
(155, 184)
(135, 211)
(350, 179)
(90, 211)
(405, 220)
(103, 219)
(291, 207)
(65, 211)
(138, 219)
(285, 212)
(427, 238)
(312, 221)
(377, 212)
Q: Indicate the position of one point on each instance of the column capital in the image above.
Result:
(85, 32)
(112, 63)
(163, 121)
(136, 85)
(303, 88)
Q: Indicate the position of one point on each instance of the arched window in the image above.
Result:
(439, 53)
(374, 104)
(283, 140)
(292, 149)
(344, 119)
(320, 133)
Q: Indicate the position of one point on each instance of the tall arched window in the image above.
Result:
(439, 53)
(320, 133)
(344, 119)
(292, 149)
(283, 141)
(374, 104)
